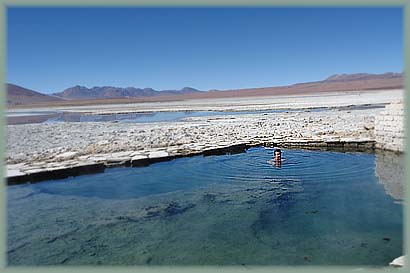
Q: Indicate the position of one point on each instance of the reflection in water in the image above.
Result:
(390, 171)
(319, 208)
(26, 117)
(55, 117)
(126, 117)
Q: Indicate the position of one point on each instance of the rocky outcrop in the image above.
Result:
(389, 128)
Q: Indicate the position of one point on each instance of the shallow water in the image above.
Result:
(317, 208)
(148, 117)
(25, 117)
(56, 117)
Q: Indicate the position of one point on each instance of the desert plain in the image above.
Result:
(326, 119)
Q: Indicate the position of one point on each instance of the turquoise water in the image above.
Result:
(19, 117)
(27, 117)
(149, 117)
(317, 208)
(55, 117)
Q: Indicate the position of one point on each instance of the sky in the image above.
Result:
(51, 49)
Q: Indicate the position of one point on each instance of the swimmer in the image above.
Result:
(277, 158)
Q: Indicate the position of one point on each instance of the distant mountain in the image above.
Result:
(108, 92)
(363, 76)
(334, 83)
(17, 95)
(80, 95)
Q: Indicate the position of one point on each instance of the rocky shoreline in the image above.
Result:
(38, 151)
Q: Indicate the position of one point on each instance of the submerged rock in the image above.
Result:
(174, 208)
(209, 197)
(171, 209)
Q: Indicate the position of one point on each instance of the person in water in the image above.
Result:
(277, 158)
(277, 155)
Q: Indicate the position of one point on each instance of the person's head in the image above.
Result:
(277, 154)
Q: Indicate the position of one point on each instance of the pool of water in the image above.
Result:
(26, 117)
(55, 117)
(317, 208)
(149, 117)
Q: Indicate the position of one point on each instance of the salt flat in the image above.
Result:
(41, 147)
(328, 99)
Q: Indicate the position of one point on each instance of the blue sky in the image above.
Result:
(50, 49)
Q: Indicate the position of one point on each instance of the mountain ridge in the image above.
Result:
(362, 76)
(17, 95)
(111, 92)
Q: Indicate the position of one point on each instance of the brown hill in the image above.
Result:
(338, 82)
(17, 95)
(109, 92)
(363, 76)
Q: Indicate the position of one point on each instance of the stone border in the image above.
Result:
(389, 127)
(351, 146)
(56, 174)
(154, 157)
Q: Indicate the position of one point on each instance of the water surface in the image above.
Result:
(27, 117)
(318, 208)
(149, 117)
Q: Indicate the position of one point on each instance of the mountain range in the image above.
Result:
(108, 92)
(17, 95)
(363, 76)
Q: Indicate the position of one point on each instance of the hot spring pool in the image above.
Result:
(318, 208)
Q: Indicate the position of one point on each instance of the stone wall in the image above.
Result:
(389, 128)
